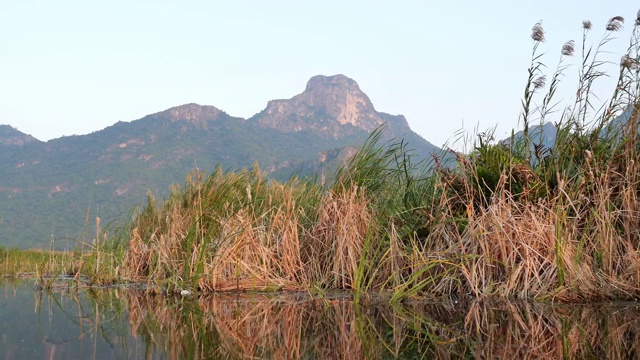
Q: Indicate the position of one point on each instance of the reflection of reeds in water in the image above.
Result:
(285, 327)
(73, 324)
(508, 331)
(543, 331)
(250, 327)
(289, 327)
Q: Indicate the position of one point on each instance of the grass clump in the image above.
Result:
(225, 231)
(555, 221)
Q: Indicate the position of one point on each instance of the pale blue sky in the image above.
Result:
(73, 67)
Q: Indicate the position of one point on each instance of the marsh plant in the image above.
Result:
(38, 263)
(524, 218)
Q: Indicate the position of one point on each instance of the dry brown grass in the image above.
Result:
(580, 243)
(336, 241)
(252, 246)
(568, 247)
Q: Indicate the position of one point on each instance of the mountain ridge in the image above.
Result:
(10, 136)
(49, 189)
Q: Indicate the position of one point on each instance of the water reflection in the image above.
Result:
(62, 324)
(68, 323)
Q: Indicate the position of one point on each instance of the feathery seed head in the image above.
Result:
(537, 32)
(586, 24)
(539, 82)
(568, 48)
(629, 63)
(615, 23)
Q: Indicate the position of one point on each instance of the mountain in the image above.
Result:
(9, 136)
(55, 189)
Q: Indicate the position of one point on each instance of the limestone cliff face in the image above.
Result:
(328, 105)
(12, 137)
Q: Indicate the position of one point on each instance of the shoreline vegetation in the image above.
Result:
(513, 219)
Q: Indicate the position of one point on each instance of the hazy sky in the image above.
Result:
(73, 67)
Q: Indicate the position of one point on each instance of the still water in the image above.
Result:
(71, 323)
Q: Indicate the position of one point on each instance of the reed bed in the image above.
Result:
(513, 219)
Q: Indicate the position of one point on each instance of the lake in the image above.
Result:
(68, 322)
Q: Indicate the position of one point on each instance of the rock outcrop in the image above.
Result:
(327, 105)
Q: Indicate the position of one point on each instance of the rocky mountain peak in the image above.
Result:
(338, 82)
(327, 105)
(193, 113)
(10, 136)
